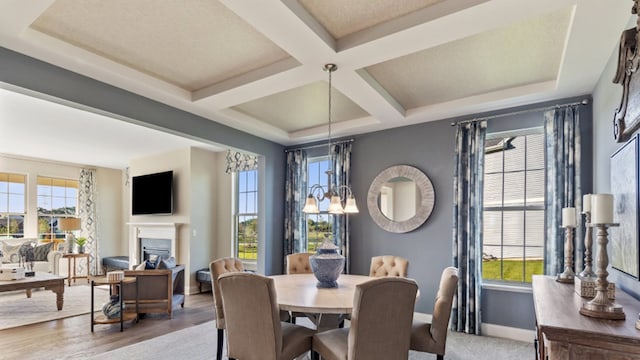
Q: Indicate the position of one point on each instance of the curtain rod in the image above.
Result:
(319, 145)
(583, 102)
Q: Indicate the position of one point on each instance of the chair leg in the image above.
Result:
(440, 357)
(293, 319)
(220, 344)
(315, 355)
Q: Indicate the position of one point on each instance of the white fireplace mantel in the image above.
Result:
(152, 231)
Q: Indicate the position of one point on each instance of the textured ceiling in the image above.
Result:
(257, 65)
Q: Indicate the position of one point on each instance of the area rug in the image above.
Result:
(199, 343)
(18, 310)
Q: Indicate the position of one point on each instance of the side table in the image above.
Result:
(115, 287)
(70, 256)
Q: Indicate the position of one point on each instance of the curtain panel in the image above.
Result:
(295, 226)
(562, 158)
(341, 153)
(87, 196)
(467, 225)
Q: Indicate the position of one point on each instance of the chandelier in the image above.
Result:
(317, 192)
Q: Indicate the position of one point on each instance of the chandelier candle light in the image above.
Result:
(569, 223)
(602, 218)
(318, 193)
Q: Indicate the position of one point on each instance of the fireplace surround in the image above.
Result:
(148, 241)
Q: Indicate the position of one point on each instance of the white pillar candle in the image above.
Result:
(569, 217)
(586, 203)
(602, 209)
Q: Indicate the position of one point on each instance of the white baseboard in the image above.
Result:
(507, 332)
(494, 330)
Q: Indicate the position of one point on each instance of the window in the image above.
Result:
(246, 215)
(12, 204)
(513, 209)
(57, 198)
(318, 225)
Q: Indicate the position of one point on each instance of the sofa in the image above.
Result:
(160, 291)
(46, 258)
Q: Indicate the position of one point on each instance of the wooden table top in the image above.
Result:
(298, 292)
(557, 308)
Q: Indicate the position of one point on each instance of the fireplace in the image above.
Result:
(148, 241)
(154, 249)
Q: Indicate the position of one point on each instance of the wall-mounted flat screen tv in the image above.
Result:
(152, 194)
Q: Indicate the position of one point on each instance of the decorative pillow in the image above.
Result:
(142, 266)
(41, 251)
(169, 263)
(11, 253)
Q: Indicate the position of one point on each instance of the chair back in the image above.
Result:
(381, 319)
(252, 316)
(298, 263)
(217, 268)
(442, 306)
(388, 265)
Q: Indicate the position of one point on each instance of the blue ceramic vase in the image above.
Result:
(327, 264)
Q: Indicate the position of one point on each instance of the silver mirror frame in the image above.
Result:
(423, 210)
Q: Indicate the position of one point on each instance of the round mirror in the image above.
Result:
(400, 199)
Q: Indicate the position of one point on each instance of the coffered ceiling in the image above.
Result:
(257, 65)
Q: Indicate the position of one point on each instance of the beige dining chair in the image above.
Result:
(298, 263)
(388, 265)
(378, 330)
(217, 268)
(432, 337)
(254, 329)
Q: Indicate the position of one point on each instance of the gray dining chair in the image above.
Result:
(431, 336)
(380, 323)
(254, 329)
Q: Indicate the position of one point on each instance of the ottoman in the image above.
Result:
(203, 276)
(112, 263)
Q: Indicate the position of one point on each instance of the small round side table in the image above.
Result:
(70, 256)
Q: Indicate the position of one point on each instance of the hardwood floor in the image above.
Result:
(72, 336)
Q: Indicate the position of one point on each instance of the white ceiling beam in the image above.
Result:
(17, 15)
(465, 23)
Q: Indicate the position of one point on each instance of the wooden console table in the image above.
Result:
(564, 333)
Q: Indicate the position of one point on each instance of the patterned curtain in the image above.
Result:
(295, 226)
(467, 225)
(87, 212)
(341, 154)
(562, 157)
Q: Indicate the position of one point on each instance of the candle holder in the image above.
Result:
(587, 273)
(600, 306)
(567, 276)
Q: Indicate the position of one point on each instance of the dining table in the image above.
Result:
(325, 307)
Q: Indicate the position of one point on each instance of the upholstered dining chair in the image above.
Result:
(217, 268)
(388, 265)
(432, 337)
(380, 323)
(254, 329)
(298, 263)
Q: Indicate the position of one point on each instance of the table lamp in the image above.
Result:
(69, 225)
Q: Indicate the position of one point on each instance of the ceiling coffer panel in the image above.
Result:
(524, 53)
(341, 18)
(191, 44)
(303, 107)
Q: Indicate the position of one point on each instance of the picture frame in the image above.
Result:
(624, 239)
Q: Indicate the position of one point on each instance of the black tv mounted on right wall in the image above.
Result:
(152, 194)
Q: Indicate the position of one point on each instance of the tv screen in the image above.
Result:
(152, 194)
